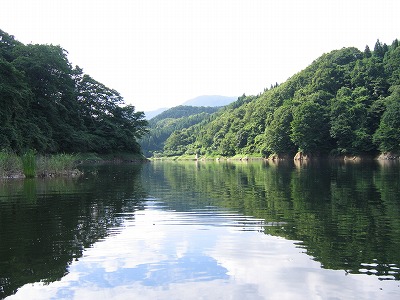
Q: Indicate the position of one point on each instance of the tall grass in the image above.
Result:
(10, 164)
(57, 164)
(32, 165)
(29, 164)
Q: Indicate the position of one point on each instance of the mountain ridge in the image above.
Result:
(199, 101)
(210, 100)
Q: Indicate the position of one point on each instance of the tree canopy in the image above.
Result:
(50, 106)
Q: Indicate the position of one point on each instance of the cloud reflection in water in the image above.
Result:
(209, 254)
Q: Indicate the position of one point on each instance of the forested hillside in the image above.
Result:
(347, 102)
(176, 118)
(49, 106)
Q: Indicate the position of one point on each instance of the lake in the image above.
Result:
(204, 230)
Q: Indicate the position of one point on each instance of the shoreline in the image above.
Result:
(298, 157)
(13, 166)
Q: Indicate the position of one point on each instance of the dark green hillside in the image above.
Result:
(347, 102)
(182, 111)
(167, 122)
(49, 106)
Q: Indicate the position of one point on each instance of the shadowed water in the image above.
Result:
(204, 230)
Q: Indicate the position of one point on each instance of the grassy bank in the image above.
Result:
(31, 165)
(10, 165)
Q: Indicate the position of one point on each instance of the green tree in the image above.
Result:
(7, 46)
(392, 65)
(378, 49)
(15, 97)
(108, 126)
(367, 52)
(48, 74)
(164, 124)
(177, 143)
(387, 137)
(277, 134)
(49, 106)
(349, 121)
(310, 129)
(335, 104)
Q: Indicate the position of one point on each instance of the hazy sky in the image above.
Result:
(160, 53)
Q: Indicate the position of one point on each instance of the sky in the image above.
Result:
(161, 53)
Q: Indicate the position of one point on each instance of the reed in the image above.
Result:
(29, 164)
(57, 164)
(10, 164)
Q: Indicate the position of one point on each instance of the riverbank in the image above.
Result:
(32, 165)
(297, 157)
(239, 157)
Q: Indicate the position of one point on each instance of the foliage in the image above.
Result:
(182, 111)
(388, 134)
(277, 133)
(344, 103)
(32, 165)
(49, 106)
(309, 130)
(57, 164)
(10, 164)
(29, 164)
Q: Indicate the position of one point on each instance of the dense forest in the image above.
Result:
(51, 107)
(164, 124)
(347, 102)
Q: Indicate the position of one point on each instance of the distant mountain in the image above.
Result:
(164, 124)
(182, 111)
(205, 100)
(210, 100)
(151, 114)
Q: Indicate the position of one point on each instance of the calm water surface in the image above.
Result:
(204, 230)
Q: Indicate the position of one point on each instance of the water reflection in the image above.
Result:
(345, 215)
(46, 224)
(163, 254)
(213, 230)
